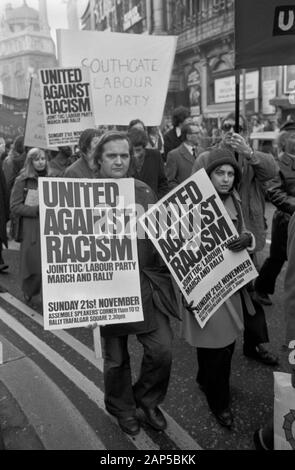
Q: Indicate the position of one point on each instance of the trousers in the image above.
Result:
(272, 266)
(214, 375)
(255, 326)
(121, 398)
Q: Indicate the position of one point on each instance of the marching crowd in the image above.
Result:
(244, 179)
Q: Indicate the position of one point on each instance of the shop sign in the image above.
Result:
(131, 18)
(224, 88)
(289, 78)
(194, 87)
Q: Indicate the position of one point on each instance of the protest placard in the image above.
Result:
(129, 72)
(89, 252)
(32, 198)
(67, 104)
(190, 227)
(35, 126)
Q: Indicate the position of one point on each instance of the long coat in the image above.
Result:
(171, 141)
(289, 283)
(147, 257)
(12, 165)
(30, 250)
(152, 172)
(220, 330)
(4, 208)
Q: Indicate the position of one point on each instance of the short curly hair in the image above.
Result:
(179, 115)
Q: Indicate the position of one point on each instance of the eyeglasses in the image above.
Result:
(228, 127)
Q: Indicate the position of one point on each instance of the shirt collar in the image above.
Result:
(178, 131)
(190, 147)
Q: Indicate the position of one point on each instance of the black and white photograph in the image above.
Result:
(147, 229)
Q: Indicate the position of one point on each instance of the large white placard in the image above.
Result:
(89, 252)
(129, 72)
(190, 227)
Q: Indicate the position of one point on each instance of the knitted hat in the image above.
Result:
(218, 157)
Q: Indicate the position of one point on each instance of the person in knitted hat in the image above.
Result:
(258, 169)
(216, 341)
(218, 157)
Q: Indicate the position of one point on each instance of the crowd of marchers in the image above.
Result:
(158, 162)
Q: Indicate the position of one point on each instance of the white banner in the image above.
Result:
(190, 228)
(67, 104)
(90, 268)
(129, 72)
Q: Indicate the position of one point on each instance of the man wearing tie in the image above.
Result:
(181, 160)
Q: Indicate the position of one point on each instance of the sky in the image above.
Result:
(56, 10)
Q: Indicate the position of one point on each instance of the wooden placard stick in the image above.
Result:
(234, 314)
(97, 342)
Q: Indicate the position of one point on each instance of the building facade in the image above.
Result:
(25, 47)
(72, 15)
(203, 76)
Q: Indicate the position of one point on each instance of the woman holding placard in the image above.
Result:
(216, 341)
(24, 205)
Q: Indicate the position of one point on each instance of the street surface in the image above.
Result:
(67, 358)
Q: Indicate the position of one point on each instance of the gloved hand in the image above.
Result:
(188, 306)
(240, 243)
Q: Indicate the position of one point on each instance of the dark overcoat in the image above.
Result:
(147, 258)
(4, 208)
(152, 172)
(30, 251)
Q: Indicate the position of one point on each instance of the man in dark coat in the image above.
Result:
(147, 164)
(180, 161)
(173, 137)
(281, 193)
(112, 156)
(14, 162)
(264, 437)
(4, 216)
